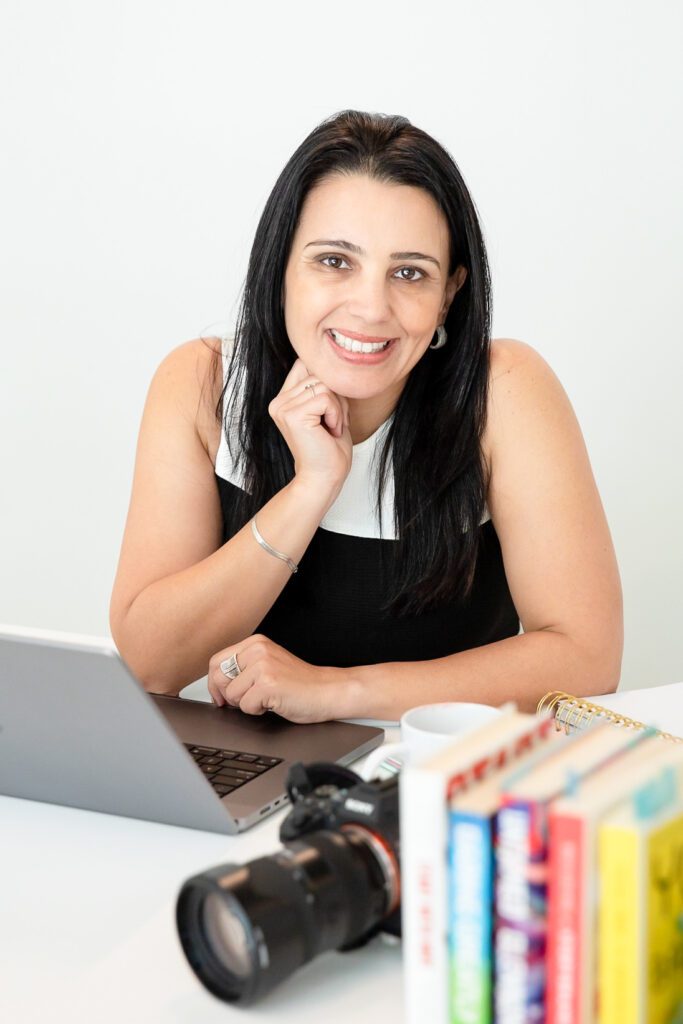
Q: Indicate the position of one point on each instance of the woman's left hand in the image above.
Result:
(272, 679)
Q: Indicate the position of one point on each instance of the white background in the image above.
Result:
(138, 143)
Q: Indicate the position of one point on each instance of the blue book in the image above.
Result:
(472, 824)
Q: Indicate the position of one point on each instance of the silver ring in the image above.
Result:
(311, 386)
(230, 667)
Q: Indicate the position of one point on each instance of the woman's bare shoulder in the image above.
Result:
(520, 380)
(198, 355)
(191, 377)
(517, 371)
(508, 354)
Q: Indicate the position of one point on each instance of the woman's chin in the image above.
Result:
(353, 390)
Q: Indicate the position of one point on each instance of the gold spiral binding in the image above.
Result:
(572, 713)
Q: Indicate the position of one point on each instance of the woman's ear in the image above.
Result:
(453, 285)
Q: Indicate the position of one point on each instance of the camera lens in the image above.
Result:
(227, 934)
(245, 929)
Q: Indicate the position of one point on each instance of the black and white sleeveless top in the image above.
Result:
(329, 612)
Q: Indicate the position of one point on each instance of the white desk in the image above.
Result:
(87, 929)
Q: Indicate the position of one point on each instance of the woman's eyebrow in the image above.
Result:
(340, 243)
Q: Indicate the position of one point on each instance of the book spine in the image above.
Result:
(619, 971)
(470, 918)
(565, 995)
(424, 867)
(520, 928)
(662, 941)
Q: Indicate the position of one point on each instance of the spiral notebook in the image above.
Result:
(572, 713)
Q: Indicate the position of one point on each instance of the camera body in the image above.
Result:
(328, 797)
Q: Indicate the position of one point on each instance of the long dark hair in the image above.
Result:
(434, 438)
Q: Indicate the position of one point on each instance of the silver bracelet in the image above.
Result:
(269, 549)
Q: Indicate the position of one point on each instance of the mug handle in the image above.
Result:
(385, 762)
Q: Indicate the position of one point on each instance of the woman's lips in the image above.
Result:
(365, 358)
(360, 337)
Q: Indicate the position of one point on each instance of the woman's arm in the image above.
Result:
(180, 594)
(558, 556)
(559, 563)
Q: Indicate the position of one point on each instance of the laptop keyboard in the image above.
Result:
(227, 770)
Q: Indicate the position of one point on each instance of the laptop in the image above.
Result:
(76, 728)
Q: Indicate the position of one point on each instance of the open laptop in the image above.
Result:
(76, 728)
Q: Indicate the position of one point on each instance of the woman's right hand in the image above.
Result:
(315, 426)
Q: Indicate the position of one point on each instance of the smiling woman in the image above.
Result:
(349, 508)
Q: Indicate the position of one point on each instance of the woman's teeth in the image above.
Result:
(353, 345)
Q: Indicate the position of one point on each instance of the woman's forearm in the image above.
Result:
(173, 626)
(521, 668)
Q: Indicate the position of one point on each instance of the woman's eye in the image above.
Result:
(410, 270)
(335, 266)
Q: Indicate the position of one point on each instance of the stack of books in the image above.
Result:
(542, 874)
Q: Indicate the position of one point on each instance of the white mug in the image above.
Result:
(425, 730)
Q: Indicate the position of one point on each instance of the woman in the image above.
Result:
(367, 529)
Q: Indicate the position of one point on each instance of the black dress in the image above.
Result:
(329, 612)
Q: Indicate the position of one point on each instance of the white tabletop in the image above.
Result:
(87, 928)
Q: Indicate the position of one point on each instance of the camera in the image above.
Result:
(334, 884)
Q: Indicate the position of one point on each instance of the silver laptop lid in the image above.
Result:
(77, 729)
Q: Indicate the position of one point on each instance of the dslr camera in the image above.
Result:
(334, 884)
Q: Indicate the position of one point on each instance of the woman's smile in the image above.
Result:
(364, 354)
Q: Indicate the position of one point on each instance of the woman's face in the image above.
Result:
(369, 262)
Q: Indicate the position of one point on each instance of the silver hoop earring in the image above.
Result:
(442, 337)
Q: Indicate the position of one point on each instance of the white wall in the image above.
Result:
(138, 143)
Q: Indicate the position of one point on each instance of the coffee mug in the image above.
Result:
(425, 730)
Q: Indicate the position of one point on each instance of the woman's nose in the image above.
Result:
(368, 298)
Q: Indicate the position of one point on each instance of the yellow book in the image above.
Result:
(640, 933)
